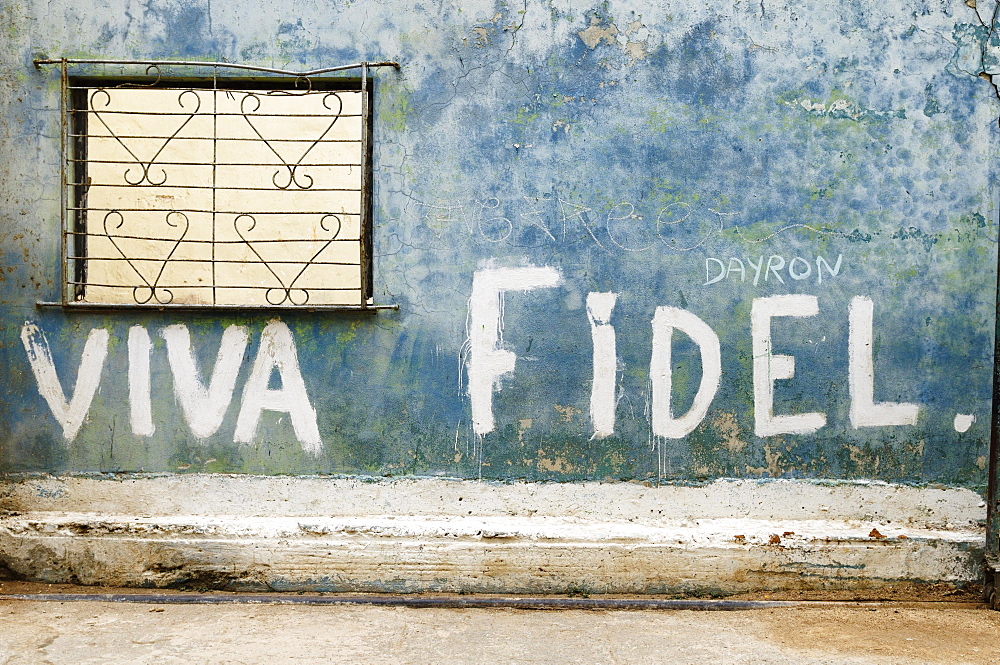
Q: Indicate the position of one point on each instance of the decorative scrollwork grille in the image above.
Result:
(218, 192)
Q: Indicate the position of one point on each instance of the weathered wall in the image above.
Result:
(634, 148)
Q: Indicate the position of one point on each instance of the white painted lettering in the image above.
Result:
(802, 274)
(864, 411)
(69, 414)
(768, 368)
(204, 408)
(665, 320)
(602, 392)
(756, 268)
(277, 352)
(487, 361)
(708, 271)
(834, 271)
(799, 268)
(774, 266)
(740, 267)
(139, 400)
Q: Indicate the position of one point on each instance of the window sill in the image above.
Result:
(246, 308)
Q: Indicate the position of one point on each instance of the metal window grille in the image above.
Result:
(204, 191)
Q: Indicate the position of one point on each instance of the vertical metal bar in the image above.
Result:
(76, 220)
(366, 192)
(63, 189)
(215, 159)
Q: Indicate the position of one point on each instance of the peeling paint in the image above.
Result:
(729, 429)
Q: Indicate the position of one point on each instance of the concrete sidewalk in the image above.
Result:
(79, 632)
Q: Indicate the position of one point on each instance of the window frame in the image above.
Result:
(209, 76)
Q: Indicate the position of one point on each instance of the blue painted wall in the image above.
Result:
(632, 146)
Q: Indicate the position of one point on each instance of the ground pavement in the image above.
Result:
(169, 630)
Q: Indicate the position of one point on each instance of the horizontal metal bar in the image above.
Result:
(300, 191)
(158, 306)
(217, 286)
(218, 212)
(207, 114)
(196, 241)
(242, 262)
(209, 138)
(174, 259)
(161, 162)
(223, 65)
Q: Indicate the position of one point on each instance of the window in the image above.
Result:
(185, 191)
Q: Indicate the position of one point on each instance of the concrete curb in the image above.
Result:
(514, 544)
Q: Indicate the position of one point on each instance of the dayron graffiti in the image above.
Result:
(745, 269)
(204, 403)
